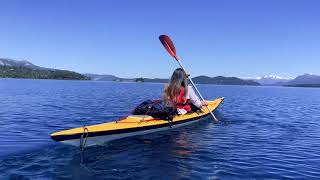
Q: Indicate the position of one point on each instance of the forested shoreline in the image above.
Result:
(28, 73)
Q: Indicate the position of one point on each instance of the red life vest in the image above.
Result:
(181, 103)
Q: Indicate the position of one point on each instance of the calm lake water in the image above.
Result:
(264, 133)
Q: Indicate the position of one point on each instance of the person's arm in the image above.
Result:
(194, 98)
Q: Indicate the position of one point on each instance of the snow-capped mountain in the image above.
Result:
(270, 80)
(270, 77)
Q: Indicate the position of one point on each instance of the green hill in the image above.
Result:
(29, 73)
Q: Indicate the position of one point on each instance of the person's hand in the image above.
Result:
(204, 103)
(187, 74)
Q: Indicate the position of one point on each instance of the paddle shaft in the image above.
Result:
(195, 87)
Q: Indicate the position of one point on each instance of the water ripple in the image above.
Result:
(264, 133)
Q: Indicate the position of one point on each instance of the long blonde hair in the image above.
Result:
(172, 89)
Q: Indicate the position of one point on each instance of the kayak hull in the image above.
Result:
(99, 140)
(130, 126)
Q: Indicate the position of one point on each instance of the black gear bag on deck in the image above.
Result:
(156, 109)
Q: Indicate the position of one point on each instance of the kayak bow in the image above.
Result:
(130, 126)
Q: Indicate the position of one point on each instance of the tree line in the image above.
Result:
(23, 72)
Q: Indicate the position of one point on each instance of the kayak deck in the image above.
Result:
(129, 126)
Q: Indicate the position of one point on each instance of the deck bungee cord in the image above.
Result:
(84, 138)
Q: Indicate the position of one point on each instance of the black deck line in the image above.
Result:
(122, 131)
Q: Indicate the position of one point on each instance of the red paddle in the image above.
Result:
(169, 46)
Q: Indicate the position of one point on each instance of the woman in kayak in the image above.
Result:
(179, 94)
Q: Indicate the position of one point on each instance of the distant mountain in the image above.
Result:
(107, 77)
(24, 69)
(306, 80)
(223, 80)
(199, 80)
(101, 77)
(15, 63)
(155, 80)
(270, 80)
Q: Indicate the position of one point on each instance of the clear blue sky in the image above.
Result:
(214, 37)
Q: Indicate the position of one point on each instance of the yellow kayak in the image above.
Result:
(130, 126)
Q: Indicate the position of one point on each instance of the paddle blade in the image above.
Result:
(168, 44)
